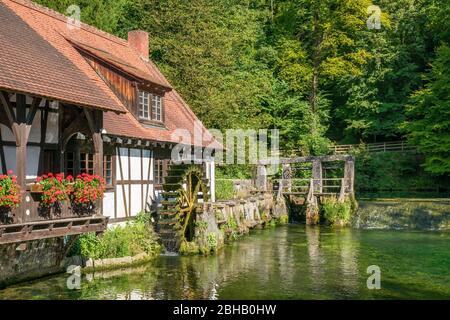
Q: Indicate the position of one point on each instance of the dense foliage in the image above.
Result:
(134, 238)
(336, 213)
(313, 69)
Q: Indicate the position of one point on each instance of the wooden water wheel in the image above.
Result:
(184, 189)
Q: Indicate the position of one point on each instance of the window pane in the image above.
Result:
(144, 105)
(157, 107)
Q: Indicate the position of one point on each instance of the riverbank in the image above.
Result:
(288, 262)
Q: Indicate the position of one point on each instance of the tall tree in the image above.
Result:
(429, 127)
(318, 42)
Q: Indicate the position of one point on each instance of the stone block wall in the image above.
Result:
(225, 219)
(29, 260)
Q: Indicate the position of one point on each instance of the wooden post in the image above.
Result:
(95, 121)
(317, 175)
(287, 176)
(261, 178)
(312, 206)
(349, 173)
(342, 191)
(21, 127)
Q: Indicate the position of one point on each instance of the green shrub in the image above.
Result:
(134, 238)
(283, 219)
(212, 242)
(230, 229)
(335, 212)
(189, 248)
(224, 190)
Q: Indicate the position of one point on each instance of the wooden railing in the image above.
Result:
(392, 146)
(325, 186)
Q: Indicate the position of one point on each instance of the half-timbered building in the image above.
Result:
(75, 99)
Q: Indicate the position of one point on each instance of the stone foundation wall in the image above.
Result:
(29, 260)
(224, 220)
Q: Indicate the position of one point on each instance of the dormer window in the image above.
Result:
(150, 106)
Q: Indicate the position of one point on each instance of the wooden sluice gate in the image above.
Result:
(304, 181)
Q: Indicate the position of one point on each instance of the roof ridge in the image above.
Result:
(57, 15)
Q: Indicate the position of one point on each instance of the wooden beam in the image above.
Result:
(34, 108)
(2, 155)
(4, 99)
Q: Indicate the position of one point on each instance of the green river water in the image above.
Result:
(289, 262)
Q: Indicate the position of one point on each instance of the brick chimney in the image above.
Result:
(138, 40)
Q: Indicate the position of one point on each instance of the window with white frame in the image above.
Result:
(150, 106)
(156, 108)
(144, 105)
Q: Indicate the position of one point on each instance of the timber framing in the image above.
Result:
(29, 221)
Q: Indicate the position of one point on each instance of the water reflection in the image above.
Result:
(294, 262)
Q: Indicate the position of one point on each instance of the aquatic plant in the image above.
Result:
(188, 248)
(336, 212)
(283, 219)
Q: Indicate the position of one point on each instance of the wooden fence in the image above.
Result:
(392, 146)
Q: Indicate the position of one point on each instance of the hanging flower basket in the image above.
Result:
(35, 188)
(10, 196)
(52, 188)
(87, 190)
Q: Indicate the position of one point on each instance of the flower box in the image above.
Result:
(35, 188)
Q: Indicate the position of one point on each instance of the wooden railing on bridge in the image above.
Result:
(392, 146)
(313, 187)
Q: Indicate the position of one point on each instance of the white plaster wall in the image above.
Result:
(136, 199)
(7, 134)
(32, 161)
(121, 213)
(123, 161)
(108, 205)
(135, 162)
(10, 156)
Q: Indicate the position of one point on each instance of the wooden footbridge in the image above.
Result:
(311, 178)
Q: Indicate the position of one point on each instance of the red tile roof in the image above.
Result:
(35, 59)
(41, 59)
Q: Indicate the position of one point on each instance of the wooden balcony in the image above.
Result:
(32, 222)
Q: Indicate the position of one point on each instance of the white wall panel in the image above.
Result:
(136, 199)
(121, 213)
(108, 205)
(7, 134)
(146, 162)
(32, 161)
(10, 156)
(122, 160)
(135, 161)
